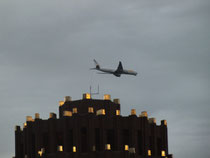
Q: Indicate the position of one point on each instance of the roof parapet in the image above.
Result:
(52, 115)
(17, 128)
(164, 122)
(116, 101)
(152, 120)
(143, 114)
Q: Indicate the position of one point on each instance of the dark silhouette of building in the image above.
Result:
(91, 128)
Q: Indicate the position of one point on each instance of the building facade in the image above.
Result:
(90, 128)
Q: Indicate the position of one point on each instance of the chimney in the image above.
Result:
(86, 96)
(37, 116)
(67, 98)
(133, 111)
(107, 97)
(29, 119)
(116, 101)
(61, 103)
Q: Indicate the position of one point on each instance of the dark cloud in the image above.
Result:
(47, 47)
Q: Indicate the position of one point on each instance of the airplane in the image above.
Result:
(118, 72)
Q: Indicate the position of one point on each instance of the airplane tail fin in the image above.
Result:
(96, 63)
(120, 67)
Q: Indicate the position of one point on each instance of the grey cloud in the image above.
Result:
(47, 47)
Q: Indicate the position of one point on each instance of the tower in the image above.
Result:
(92, 128)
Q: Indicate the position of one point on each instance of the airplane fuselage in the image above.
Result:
(116, 72)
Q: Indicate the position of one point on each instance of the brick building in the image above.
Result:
(91, 128)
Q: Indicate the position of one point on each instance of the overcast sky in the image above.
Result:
(48, 46)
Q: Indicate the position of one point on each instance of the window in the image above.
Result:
(110, 138)
(83, 132)
(97, 139)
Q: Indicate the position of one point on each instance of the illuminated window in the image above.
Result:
(74, 149)
(149, 153)
(40, 153)
(90, 110)
(74, 110)
(108, 147)
(126, 147)
(67, 113)
(60, 148)
(117, 112)
(100, 112)
(163, 153)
